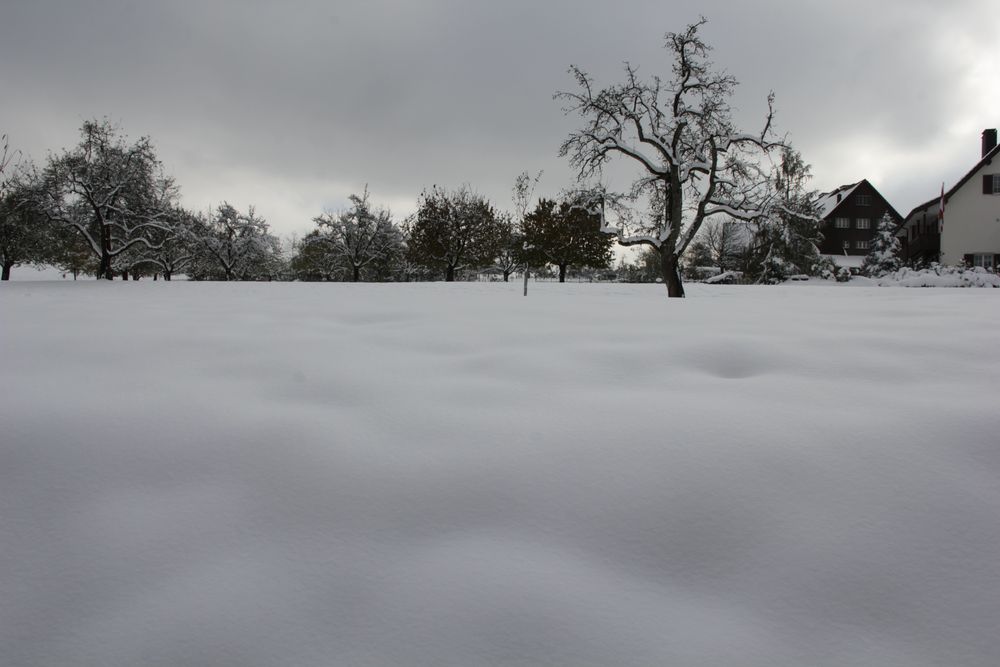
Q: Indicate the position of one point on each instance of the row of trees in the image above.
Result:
(106, 208)
(451, 232)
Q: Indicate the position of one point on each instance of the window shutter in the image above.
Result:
(967, 259)
(987, 184)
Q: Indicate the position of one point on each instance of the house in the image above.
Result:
(970, 232)
(850, 219)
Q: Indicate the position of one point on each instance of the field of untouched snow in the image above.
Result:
(453, 475)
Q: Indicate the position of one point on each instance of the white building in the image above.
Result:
(970, 233)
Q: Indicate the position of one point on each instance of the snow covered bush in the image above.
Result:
(774, 269)
(937, 275)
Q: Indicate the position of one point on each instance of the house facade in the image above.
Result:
(850, 219)
(970, 233)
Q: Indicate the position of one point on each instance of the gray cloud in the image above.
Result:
(293, 106)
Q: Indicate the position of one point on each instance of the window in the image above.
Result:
(996, 184)
(842, 223)
(863, 200)
(861, 245)
(863, 223)
(847, 245)
(985, 261)
(991, 184)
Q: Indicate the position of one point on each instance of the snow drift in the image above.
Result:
(306, 475)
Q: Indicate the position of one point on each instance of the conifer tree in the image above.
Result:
(883, 256)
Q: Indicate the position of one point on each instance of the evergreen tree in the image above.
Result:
(883, 256)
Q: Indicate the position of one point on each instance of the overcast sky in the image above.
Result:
(292, 106)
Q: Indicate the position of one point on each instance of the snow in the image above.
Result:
(724, 277)
(33, 273)
(847, 261)
(266, 474)
(941, 276)
(829, 200)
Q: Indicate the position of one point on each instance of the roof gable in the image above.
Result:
(986, 159)
(829, 202)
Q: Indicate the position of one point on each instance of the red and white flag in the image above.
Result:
(941, 211)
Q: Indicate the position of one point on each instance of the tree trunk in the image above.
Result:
(562, 273)
(125, 275)
(6, 270)
(506, 276)
(671, 273)
(166, 275)
(449, 276)
(105, 270)
(357, 274)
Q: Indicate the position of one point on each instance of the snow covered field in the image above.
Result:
(454, 475)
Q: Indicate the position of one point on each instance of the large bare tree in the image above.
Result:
(110, 192)
(679, 132)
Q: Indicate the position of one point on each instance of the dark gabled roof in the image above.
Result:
(986, 159)
(828, 200)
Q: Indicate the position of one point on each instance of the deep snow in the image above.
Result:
(455, 475)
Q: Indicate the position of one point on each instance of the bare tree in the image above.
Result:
(6, 157)
(231, 245)
(510, 240)
(694, 163)
(175, 249)
(360, 236)
(725, 240)
(22, 237)
(524, 190)
(110, 192)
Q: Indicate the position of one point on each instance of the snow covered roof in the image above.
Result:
(829, 200)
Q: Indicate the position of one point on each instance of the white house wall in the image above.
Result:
(971, 219)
